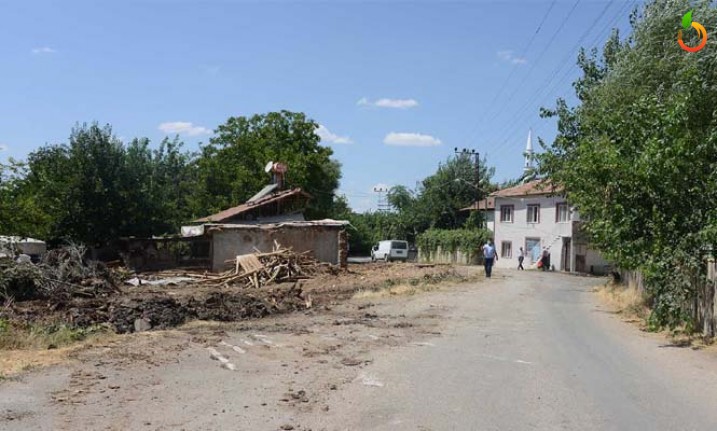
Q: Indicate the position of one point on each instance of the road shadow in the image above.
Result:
(682, 344)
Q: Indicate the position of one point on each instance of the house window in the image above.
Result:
(562, 214)
(506, 213)
(506, 249)
(533, 213)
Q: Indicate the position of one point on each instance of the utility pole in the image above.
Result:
(382, 199)
(476, 161)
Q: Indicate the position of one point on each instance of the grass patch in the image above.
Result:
(396, 290)
(414, 285)
(626, 300)
(19, 336)
(26, 346)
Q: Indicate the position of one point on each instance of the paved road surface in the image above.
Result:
(534, 352)
(522, 351)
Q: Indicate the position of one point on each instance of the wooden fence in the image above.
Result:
(704, 304)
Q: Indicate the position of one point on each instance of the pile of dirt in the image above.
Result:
(145, 307)
(160, 309)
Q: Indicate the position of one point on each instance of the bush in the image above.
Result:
(467, 241)
(19, 281)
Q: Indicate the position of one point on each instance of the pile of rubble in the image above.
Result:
(61, 275)
(65, 287)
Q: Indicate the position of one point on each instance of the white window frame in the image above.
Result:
(536, 208)
(510, 210)
(558, 207)
(509, 249)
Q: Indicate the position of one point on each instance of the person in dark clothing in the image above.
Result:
(545, 260)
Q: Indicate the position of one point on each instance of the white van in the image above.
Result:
(390, 250)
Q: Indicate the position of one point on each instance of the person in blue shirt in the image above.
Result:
(489, 256)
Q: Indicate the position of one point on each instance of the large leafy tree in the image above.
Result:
(78, 185)
(638, 154)
(230, 168)
(19, 212)
(95, 189)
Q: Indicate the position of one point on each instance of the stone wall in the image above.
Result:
(441, 256)
(324, 242)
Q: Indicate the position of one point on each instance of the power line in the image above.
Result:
(512, 71)
(552, 85)
(540, 56)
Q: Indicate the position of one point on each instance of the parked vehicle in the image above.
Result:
(390, 250)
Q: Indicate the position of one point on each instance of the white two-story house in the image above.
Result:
(535, 216)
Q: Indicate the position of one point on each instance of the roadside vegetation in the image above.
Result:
(637, 157)
(96, 187)
(15, 335)
(629, 301)
(434, 205)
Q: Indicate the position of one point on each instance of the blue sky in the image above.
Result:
(395, 85)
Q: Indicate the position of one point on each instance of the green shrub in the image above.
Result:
(468, 241)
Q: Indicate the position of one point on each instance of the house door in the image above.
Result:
(532, 247)
(566, 254)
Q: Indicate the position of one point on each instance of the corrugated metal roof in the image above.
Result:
(239, 209)
(263, 192)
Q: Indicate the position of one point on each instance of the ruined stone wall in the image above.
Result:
(323, 241)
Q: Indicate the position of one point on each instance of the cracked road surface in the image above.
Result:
(521, 351)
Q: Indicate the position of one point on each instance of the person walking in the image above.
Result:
(521, 257)
(489, 256)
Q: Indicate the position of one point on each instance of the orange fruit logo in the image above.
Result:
(701, 32)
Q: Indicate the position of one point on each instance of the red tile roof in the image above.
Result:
(240, 209)
(536, 187)
(484, 204)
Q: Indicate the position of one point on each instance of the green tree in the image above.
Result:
(19, 213)
(230, 169)
(456, 184)
(94, 189)
(77, 185)
(637, 155)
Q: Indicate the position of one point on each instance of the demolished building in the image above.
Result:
(270, 219)
(325, 240)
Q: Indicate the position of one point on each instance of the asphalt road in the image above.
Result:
(534, 351)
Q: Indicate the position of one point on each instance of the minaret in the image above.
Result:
(528, 154)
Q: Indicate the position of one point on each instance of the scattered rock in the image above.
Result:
(141, 325)
(351, 362)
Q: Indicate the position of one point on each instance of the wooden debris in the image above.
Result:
(260, 269)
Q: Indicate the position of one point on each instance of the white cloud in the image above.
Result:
(3, 147)
(326, 136)
(411, 140)
(508, 56)
(389, 103)
(43, 50)
(212, 70)
(183, 128)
